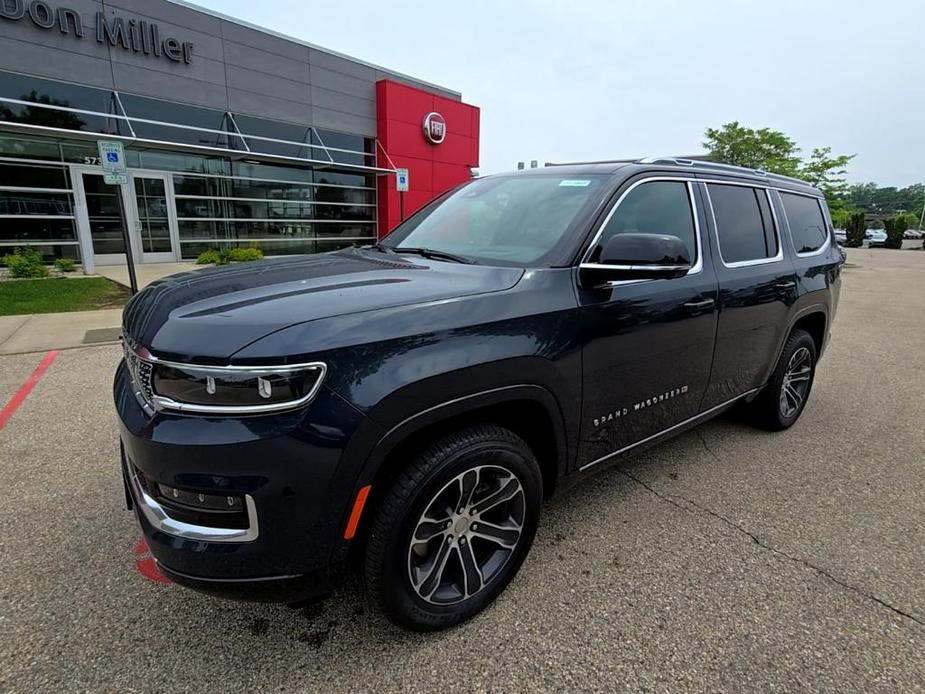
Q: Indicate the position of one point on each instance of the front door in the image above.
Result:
(154, 220)
(648, 345)
(143, 206)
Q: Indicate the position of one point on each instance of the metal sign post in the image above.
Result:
(112, 162)
(401, 185)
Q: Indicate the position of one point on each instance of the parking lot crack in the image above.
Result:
(688, 505)
(703, 440)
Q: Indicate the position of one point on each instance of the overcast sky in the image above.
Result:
(564, 80)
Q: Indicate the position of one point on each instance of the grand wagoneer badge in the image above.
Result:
(641, 405)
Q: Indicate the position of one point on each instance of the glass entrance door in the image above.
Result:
(144, 206)
(154, 218)
(103, 216)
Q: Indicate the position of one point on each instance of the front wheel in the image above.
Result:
(782, 402)
(454, 528)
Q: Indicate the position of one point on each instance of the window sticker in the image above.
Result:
(574, 183)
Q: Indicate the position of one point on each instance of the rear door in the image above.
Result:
(647, 344)
(757, 287)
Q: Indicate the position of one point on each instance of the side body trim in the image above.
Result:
(689, 420)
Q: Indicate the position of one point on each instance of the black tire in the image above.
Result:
(776, 408)
(488, 459)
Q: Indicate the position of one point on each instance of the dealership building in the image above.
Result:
(232, 135)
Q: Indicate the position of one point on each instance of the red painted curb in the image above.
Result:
(146, 565)
(26, 388)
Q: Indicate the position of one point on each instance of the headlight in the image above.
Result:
(224, 389)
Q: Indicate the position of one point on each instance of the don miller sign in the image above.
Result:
(135, 35)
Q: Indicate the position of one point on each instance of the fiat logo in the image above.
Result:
(434, 128)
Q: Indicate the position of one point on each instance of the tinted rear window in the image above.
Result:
(743, 223)
(807, 225)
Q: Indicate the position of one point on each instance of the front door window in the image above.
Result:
(153, 218)
(105, 214)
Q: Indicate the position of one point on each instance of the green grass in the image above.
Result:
(58, 295)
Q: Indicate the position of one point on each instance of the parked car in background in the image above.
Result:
(403, 409)
(913, 234)
(841, 236)
(875, 237)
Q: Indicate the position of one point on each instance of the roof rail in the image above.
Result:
(732, 168)
(688, 161)
(585, 163)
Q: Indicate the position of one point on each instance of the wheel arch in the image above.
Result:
(530, 411)
(814, 322)
(813, 318)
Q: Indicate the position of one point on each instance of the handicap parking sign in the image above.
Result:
(112, 156)
(401, 180)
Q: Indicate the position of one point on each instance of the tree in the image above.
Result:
(828, 174)
(764, 148)
(772, 151)
(854, 230)
(895, 227)
(887, 201)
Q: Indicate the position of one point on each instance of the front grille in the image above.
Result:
(141, 372)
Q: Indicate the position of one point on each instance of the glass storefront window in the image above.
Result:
(281, 207)
(22, 203)
(46, 93)
(17, 147)
(180, 114)
(249, 125)
(33, 176)
(25, 231)
(355, 143)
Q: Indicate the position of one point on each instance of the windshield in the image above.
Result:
(517, 220)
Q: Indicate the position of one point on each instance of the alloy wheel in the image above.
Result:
(795, 385)
(466, 535)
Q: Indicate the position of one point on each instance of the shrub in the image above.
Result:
(223, 256)
(65, 264)
(895, 227)
(209, 257)
(854, 230)
(245, 255)
(25, 262)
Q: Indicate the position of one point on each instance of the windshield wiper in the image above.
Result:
(430, 253)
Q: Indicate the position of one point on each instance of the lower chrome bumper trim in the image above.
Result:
(157, 516)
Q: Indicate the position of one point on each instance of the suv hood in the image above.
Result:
(208, 315)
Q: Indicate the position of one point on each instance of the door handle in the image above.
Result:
(696, 307)
(789, 284)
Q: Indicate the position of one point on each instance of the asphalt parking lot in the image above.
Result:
(728, 559)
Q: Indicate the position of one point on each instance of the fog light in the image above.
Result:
(212, 502)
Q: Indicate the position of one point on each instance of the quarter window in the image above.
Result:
(743, 223)
(807, 225)
(659, 207)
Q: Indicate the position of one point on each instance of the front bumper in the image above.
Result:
(296, 472)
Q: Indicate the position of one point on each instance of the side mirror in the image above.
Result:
(635, 257)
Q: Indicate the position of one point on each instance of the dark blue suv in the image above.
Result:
(403, 409)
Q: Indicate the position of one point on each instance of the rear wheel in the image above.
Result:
(454, 528)
(782, 402)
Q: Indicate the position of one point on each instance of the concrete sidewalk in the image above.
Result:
(44, 331)
(145, 274)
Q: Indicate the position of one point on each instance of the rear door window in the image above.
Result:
(744, 224)
(657, 207)
(807, 225)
